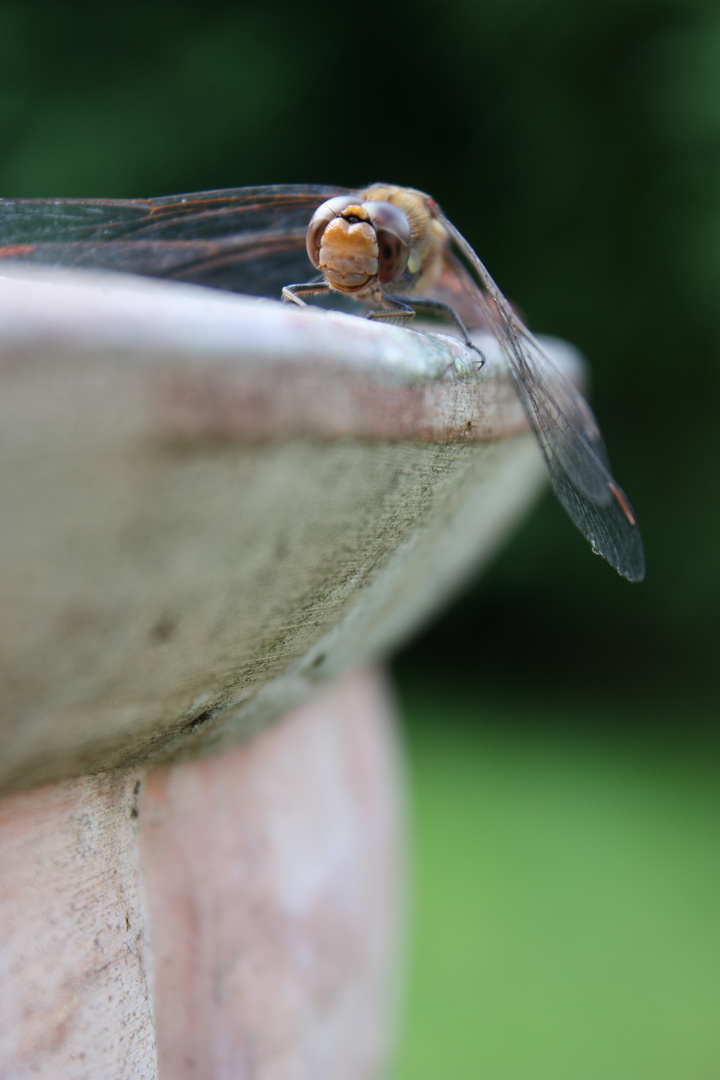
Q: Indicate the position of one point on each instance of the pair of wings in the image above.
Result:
(252, 240)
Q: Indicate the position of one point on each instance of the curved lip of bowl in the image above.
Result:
(229, 367)
(134, 550)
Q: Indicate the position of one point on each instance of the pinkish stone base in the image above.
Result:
(231, 917)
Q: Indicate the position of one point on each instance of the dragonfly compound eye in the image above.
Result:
(393, 238)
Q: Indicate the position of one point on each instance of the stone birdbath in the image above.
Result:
(218, 516)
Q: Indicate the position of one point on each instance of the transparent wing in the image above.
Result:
(248, 240)
(565, 427)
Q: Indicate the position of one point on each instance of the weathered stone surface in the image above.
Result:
(211, 503)
(242, 913)
(74, 995)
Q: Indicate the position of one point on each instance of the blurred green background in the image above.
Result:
(561, 724)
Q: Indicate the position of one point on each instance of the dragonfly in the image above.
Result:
(390, 248)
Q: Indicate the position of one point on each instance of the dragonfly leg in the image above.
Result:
(399, 309)
(423, 304)
(293, 294)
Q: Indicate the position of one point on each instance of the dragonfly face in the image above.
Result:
(358, 246)
(361, 243)
(258, 240)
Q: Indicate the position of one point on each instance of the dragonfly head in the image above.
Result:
(357, 245)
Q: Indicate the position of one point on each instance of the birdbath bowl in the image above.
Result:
(219, 515)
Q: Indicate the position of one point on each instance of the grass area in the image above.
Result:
(566, 897)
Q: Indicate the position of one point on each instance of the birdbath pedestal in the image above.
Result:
(219, 516)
